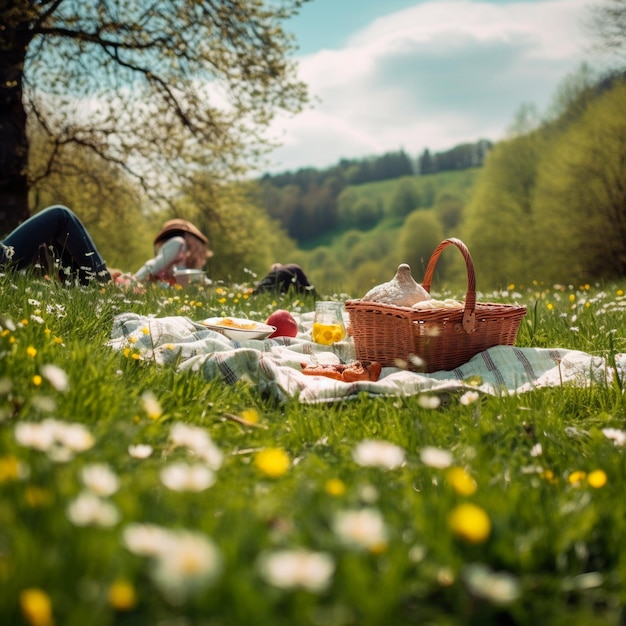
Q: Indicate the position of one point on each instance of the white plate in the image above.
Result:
(239, 328)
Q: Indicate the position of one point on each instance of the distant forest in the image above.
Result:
(305, 202)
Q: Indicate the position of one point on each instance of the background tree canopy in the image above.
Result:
(161, 89)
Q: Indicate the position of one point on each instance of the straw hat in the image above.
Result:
(176, 226)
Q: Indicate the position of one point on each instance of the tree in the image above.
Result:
(608, 25)
(162, 89)
(405, 199)
(581, 196)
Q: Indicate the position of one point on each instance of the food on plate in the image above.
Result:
(348, 373)
(227, 321)
(401, 290)
(286, 325)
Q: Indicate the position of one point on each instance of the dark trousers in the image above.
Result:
(54, 235)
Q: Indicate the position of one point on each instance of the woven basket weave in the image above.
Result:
(442, 338)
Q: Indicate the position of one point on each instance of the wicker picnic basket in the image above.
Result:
(441, 338)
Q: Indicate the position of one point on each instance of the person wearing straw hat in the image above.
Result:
(178, 245)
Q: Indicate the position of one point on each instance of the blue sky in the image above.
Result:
(390, 75)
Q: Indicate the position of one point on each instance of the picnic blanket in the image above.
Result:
(274, 365)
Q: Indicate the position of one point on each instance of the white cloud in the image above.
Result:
(432, 76)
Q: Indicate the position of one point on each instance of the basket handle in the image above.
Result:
(469, 314)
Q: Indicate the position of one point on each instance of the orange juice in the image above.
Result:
(327, 334)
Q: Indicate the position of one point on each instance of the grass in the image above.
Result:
(540, 542)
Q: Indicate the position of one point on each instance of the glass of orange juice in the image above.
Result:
(328, 324)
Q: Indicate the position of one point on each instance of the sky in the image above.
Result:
(389, 75)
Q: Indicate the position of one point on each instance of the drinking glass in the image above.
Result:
(328, 324)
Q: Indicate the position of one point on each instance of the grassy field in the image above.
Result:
(131, 494)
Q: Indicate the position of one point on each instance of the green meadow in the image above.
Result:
(133, 494)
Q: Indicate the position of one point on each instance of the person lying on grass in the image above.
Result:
(56, 240)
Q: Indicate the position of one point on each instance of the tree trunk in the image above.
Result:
(13, 139)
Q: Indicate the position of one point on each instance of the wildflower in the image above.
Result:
(36, 607)
(429, 402)
(122, 596)
(461, 481)
(12, 469)
(289, 569)
(335, 487)
(368, 494)
(272, 462)
(144, 539)
(32, 435)
(31, 351)
(436, 457)
(495, 587)
(186, 562)
(370, 453)
(618, 436)
(364, 528)
(37, 380)
(576, 477)
(151, 405)
(198, 441)
(597, 479)
(140, 451)
(184, 477)
(250, 415)
(470, 522)
(56, 377)
(36, 496)
(90, 510)
(469, 397)
(100, 479)
(536, 450)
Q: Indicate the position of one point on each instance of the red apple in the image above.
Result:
(286, 325)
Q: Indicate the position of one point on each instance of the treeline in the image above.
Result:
(305, 202)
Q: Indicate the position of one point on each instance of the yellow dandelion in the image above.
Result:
(619, 292)
(126, 352)
(250, 415)
(132, 340)
(5, 333)
(549, 306)
(572, 297)
(36, 607)
(222, 300)
(335, 487)
(37, 380)
(597, 478)
(145, 330)
(575, 478)
(31, 351)
(470, 522)
(9, 468)
(272, 462)
(122, 596)
(58, 340)
(37, 496)
(47, 332)
(136, 356)
(511, 286)
(461, 481)
(24, 322)
(549, 476)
